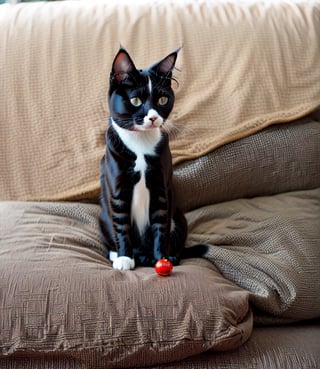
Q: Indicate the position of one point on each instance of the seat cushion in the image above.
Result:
(268, 245)
(59, 293)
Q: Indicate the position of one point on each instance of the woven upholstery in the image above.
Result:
(268, 246)
(278, 159)
(62, 295)
(296, 347)
(56, 279)
(244, 130)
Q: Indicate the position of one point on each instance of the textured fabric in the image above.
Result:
(57, 289)
(278, 159)
(268, 246)
(268, 348)
(243, 66)
(60, 294)
(286, 347)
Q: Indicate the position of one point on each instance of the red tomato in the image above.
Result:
(163, 267)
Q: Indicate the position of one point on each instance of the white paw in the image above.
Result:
(123, 263)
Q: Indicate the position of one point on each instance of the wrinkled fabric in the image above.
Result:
(59, 293)
(268, 246)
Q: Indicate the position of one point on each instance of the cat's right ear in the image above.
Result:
(122, 66)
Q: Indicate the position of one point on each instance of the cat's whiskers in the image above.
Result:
(174, 130)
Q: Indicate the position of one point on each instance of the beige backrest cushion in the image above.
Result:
(243, 66)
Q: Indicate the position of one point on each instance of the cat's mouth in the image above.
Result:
(149, 122)
(143, 127)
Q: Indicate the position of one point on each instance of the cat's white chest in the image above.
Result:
(141, 197)
(141, 144)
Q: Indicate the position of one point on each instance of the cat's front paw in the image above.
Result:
(123, 263)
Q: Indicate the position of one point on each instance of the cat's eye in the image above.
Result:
(163, 101)
(136, 101)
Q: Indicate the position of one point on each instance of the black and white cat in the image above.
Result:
(140, 222)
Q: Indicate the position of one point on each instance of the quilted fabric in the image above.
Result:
(280, 158)
(282, 347)
(242, 67)
(268, 246)
(59, 293)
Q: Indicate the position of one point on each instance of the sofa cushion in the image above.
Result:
(244, 66)
(277, 159)
(282, 347)
(268, 246)
(60, 294)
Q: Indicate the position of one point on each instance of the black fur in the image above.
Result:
(118, 174)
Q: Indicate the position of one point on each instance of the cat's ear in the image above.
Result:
(166, 65)
(122, 66)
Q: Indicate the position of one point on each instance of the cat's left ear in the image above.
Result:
(122, 66)
(166, 65)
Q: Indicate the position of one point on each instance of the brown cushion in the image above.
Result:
(294, 346)
(268, 246)
(278, 159)
(242, 68)
(60, 294)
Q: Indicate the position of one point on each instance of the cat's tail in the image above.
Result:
(196, 251)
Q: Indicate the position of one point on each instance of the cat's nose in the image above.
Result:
(152, 119)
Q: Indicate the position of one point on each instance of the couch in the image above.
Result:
(244, 136)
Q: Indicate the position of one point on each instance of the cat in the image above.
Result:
(139, 220)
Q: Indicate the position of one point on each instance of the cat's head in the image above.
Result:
(142, 99)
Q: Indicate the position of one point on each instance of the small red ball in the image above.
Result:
(163, 267)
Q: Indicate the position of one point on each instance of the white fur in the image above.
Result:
(141, 142)
(152, 120)
(150, 85)
(123, 263)
(173, 226)
(140, 204)
(113, 255)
